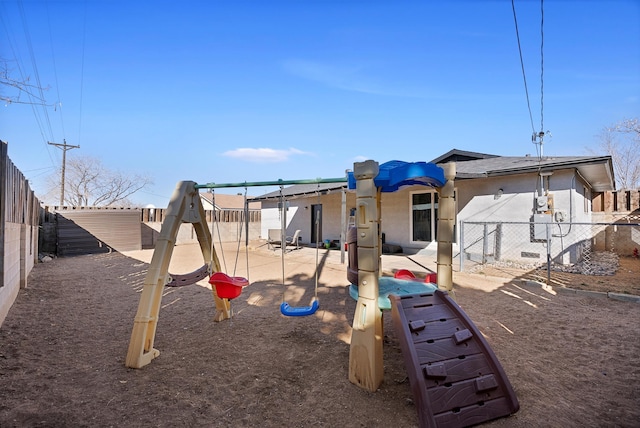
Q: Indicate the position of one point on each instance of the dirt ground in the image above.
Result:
(626, 279)
(573, 359)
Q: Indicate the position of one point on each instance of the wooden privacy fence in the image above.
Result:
(617, 201)
(87, 230)
(91, 230)
(229, 225)
(151, 215)
(19, 215)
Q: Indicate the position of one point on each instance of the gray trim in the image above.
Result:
(597, 170)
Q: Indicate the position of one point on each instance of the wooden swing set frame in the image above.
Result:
(185, 207)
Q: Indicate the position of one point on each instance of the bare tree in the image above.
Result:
(18, 87)
(622, 141)
(89, 183)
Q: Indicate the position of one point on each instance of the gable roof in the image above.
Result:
(596, 170)
(455, 155)
(302, 190)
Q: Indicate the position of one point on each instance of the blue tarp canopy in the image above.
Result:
(396, 174)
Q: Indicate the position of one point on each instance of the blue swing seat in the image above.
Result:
(299, 311)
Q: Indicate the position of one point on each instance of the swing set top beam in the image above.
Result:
(278, 182)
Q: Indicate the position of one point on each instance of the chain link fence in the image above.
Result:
(582, 248)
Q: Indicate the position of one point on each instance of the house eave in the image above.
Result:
(288, 194)
(596, 171)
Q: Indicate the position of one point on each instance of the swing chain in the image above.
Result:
(285, 308)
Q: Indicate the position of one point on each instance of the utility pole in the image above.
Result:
(64, 147)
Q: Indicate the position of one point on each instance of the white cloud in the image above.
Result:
(263, 155)
(334, 76)
(348, 78)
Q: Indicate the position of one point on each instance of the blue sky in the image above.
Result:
(234, 91)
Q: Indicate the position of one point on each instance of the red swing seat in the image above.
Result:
(228, 287)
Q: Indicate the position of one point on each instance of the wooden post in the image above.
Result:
(365, 355)
(635, 200)
(623, 196)
(446, 222)
(609, 202)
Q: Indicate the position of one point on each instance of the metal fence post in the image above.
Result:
(548, 227)
(485, 244)
(462, 252)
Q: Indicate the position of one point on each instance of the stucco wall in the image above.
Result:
(396, 217)
(332, 211)
(482, 199)
(11, 272)
(28, 255)
(299, 215)
(19, 258)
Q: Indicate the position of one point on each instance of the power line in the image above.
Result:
(84, 39)
(35, 66)
(541, 66)
(537, 137)
(55, 72)
(22, 85)
(524, 76)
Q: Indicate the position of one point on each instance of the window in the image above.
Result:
(424, 215)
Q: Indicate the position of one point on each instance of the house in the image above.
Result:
(488, 188)
(525, 209)
(318, 210)
(225, 201)
(514, 188)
